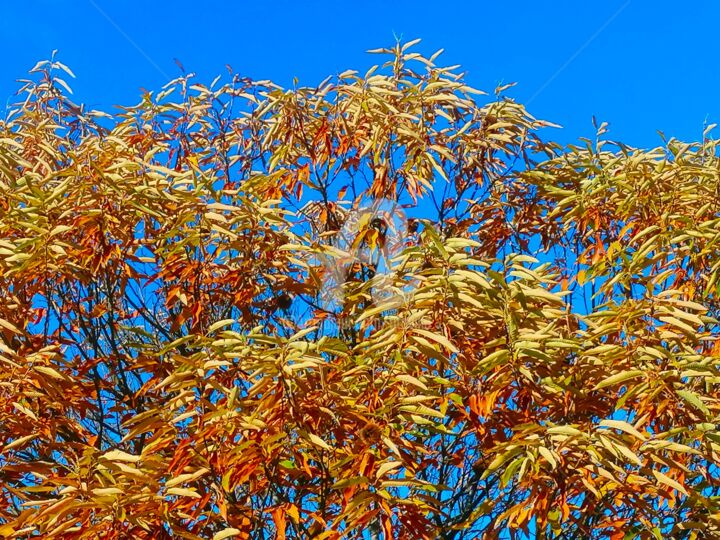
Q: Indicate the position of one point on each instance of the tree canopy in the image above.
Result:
(386, 306)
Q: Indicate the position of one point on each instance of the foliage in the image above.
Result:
(539, 357)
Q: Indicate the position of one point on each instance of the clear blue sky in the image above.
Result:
(638, 64)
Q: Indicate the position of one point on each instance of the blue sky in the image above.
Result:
(640, 65)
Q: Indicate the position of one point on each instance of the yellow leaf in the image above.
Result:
(543, 294)
(437, 338)
(619, 377)
(226, 533)
(623, 426)
(101, 492)
(412, 380)
(683, 327)
(50, 372)
(293, 512)
(319, 442)
(183, 492)
(19, 441)
(9, 326)
(25, 411)
(629, 454)
(564, 430)
(665, 479)
(60, 229)
(119, 455)
(185, 478)
(220, 324)
(386, 467)
(391, 445)
(548, 455)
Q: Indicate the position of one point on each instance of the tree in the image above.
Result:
(371, 308)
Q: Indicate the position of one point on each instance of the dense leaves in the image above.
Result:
(374, 308)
